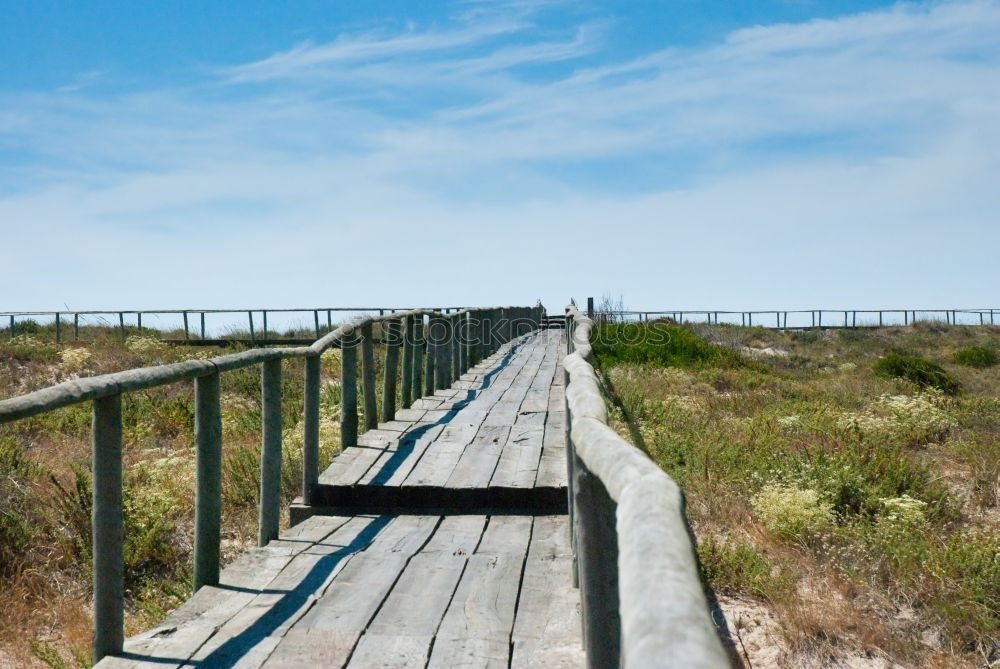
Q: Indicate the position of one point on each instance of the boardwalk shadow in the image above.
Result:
(291, 601)
(410, 438)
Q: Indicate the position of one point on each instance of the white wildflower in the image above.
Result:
(790, 511)
(74, 359)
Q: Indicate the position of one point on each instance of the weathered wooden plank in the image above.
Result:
(327, 634)
(547, 622)
(396, 463)
(250, 636)
(412, 414)
(350, 471)
(186, 629)
(518, 464)
(436, 464)
(395, 425)
(476, 628)
(401, 633)
(552, 464)
(475, 468)
(377, 438)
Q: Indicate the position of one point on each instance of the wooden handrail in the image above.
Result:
(443, 353)
(643, 604)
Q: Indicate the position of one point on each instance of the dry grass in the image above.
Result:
(861, 512)
(44, 487)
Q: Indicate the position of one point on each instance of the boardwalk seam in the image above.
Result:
(388, 592)
(517, 601)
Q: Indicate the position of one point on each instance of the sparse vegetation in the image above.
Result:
(45, 484)
(844, 487)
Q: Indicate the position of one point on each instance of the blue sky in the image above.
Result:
(686, 155)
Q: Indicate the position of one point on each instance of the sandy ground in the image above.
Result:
(757, 642)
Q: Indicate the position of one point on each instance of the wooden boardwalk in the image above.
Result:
(441, 540)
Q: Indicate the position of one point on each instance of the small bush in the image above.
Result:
(27, 326)
(731, 567)
(924, 373)
(75, 360)
(977, 356)
(659, 344)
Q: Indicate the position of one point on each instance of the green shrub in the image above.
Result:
(27, 326)
(659, 344)
(924, 373)
(977, 356)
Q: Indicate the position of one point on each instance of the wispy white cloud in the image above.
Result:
(309, 59)
(872, 137)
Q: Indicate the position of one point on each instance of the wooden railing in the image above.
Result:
(424, 350)
(635, 564)
(812, 318)
(193, 321)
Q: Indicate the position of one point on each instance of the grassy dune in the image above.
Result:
(844, 486)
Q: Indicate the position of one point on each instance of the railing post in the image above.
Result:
(430, 356)
(270, 451)
(455, 330)
(264, 325)
(442, 353)
(416, 389)
(11, 327)
(368, 377)
(597, 555)
(202, 330)
(590, 308)
(108, 528)
(121, 324)
(391, 329)
(253, 337)
(76, 327)
(484, 334)
(348, 391)
(187, 333)
(406, 383)
(58, 330)
(310, 430)
(208, 492)
(467, 351)
(316, 322)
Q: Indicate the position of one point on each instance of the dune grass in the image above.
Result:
(857, 500)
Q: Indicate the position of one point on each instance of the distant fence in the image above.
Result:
(192, 326)
(425, 350)
(804, 319)
(643, 604)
